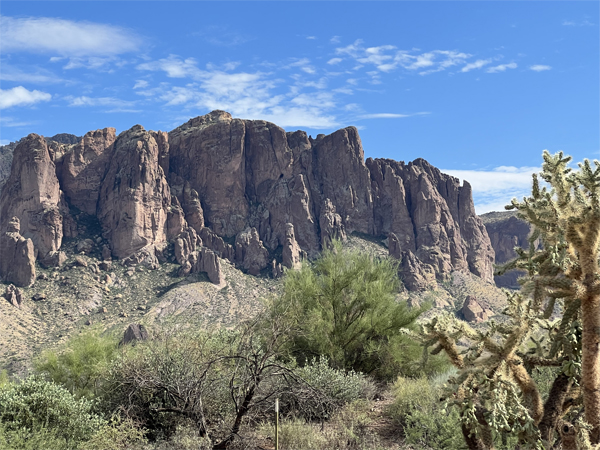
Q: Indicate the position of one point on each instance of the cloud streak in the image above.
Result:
(65, 37)
(539, 67)
(19, 96)
(390, 115)
(501, 68)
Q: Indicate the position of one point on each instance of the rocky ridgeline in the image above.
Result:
(242, 190)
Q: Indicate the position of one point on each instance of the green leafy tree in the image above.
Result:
(343, 306)
(554, 321)
(81, 365)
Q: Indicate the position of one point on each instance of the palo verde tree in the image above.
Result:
(343, 306)
(554, 320)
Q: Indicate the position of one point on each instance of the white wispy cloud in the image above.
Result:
(7, 121)
(493, 189)
(66, 37)
(502, 67)
(174, 67)
(574, 23)
(390, 115)
(118, 104)
(387, 58)
(245, 94)
(33, 75)
(476, 65)
(19, 96)
(539, 67)
(333, 61)
(140, 84)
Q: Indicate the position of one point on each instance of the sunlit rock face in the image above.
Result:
(246, 190)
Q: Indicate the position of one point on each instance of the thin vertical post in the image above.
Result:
(276, 424)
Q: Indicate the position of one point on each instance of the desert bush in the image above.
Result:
(29, 407)
(318, 390)
(421, 416)
(118, 434)
(216, 380)
(23, 439)
(81, 364)
(348, 428)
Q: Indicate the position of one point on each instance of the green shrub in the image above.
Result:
(296, 434)
(23, 439)
(320, 390)
(421, 416)
(119, 434)
(81, 365)
(35, 404)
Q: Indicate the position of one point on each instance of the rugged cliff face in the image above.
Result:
(244, 190)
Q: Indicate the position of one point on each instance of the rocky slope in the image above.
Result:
(219, 188)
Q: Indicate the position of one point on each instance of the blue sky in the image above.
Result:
(478, 89)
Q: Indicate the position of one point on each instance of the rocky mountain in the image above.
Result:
(506, 231)
(219, 188)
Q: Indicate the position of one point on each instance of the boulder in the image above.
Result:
(13, 295)
(135, 332)
(17, 259)
(85, 246)
(54, 259)
(106, 253)
(472, 310)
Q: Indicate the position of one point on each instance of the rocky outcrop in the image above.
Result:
(507, 231)
(216, 243)
(416, 275)
(134, 196)
(13, 295)
(432, 216)
(473, 312)
(291, 250)
(331, 224)
(17, 260)
(207, 261)
(250, 252)
(135, 332)
(32, 194)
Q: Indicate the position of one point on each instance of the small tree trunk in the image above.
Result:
(244, 408)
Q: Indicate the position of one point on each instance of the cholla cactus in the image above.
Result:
(494, 389)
